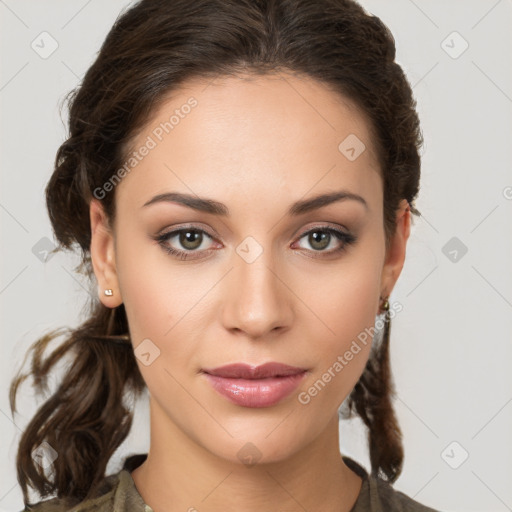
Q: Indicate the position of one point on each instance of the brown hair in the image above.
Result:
(153, 47)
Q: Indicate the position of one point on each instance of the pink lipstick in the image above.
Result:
(255, 386)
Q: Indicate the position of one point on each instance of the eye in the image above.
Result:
(189, 240)
(320, 238)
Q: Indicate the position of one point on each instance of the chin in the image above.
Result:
(257, 447)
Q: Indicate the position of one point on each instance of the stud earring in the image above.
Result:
(385, 305)
(109, 292)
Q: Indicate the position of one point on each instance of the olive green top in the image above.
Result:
(119, 494)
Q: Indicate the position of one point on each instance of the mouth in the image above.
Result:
(247, 371)
(255, 386)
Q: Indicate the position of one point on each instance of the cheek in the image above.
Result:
(347, 309)
(164, 303)
(346, 299)
(150, 290)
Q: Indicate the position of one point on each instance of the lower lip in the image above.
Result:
(255, 392)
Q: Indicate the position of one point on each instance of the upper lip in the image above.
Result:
(247, 371)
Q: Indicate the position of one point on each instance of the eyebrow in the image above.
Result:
(215, 208)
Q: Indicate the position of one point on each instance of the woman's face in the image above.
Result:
(264, 280)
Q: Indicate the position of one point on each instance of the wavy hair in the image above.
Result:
(153, 47)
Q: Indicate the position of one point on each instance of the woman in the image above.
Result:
(239, 177)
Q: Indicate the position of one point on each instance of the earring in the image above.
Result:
(109, 292)
(385, 305)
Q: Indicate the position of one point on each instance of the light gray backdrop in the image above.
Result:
(451, 345)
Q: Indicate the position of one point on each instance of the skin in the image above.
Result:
(256, 144)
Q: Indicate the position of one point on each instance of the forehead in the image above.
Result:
(280, 132)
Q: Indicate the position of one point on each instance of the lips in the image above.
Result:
(260, 386)
(245, 371)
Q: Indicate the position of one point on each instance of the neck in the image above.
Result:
(179, 475)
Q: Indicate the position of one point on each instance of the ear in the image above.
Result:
(103, 255)
(395, 255)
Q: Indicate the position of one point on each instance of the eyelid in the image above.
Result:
(176, 229)
(324, 225)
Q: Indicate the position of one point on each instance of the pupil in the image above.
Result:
(321, 237)
(189, 239)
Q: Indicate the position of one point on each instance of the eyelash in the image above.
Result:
(162, 240)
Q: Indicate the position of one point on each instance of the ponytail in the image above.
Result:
(371, 398)
(84, 421)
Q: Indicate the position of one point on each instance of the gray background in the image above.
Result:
(450, 345)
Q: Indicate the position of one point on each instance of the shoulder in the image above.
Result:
(110, 490)
(391, 499)
(117, 492)
(377, 495)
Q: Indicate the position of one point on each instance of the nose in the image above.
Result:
(257, 299)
